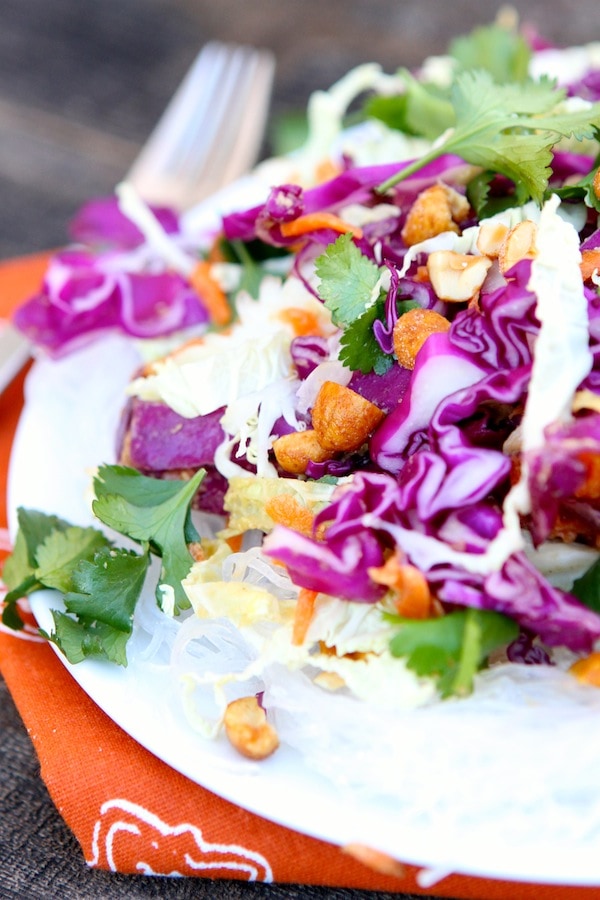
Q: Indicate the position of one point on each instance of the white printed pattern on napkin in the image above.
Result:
(121, 820)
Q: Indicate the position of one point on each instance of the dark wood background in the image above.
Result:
(82, 82)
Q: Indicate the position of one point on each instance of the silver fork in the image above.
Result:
(209, 135)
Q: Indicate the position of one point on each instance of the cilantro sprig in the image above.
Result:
(509, 129)
(153, 512)
(452, 648)
(101, 583)
(349, 288)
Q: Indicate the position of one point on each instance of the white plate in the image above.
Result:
(490, 787)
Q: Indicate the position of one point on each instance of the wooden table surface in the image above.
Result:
(81, 85)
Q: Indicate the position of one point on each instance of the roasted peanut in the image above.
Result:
(294, 451)
(342, 419)
(437, 209)
(412, 330)
(585, 399)
(457, 277)
(375, 859)
(490, 238)
(518, 244)
(247, 728)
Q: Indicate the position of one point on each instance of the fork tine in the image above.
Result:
(211, 131)
(197, 108)
(237, 142)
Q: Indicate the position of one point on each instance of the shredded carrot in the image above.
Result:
(210, 293)
(235, 542)
(590, 262)
(590, 489)
(215, 252)
(412, 597)
(303, 321)
(587, 670)
(316, 221)
(303, 615)
(286, 510)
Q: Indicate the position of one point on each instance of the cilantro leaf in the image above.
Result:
(348, 280)
(34, 528)
(501, 51)
(510, 129)
(452, 648)
(483, 200)
(88, 640)
(582, 190)
(47, 550)
(61, 553)
(587, 587)
(107, 588)
(423, 109)
(151, 511)
(18, 569)
(359, 348)
(348, 285)
(99, 610)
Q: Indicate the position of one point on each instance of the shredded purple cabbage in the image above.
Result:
(80, 299)
(100, 223)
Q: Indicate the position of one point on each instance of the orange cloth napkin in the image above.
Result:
(130, 812)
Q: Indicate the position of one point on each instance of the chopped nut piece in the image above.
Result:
(585, 399)
(375, 859)
(457, 277)
(490, 238)
(247, 728)
(294, 451)
(518, 244)
(437, 209)
(412, 330)
(342, 419)
(329, 681)
(196, 551)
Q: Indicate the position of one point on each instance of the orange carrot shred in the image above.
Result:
(286, 510)
(590, 262)
(305, 608)
(412, 597)
(587, 670)
(210, 293)
(303, 321)
(315, 221)
(235, 542)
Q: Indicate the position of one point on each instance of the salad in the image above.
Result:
(361, 450)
